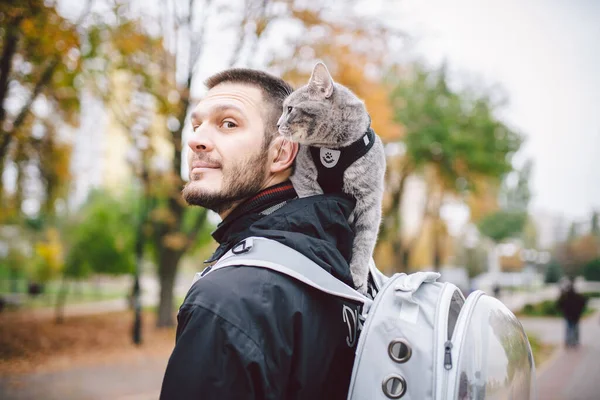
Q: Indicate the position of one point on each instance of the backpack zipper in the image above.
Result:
(444, 307)
(448, 355)
(458, 337)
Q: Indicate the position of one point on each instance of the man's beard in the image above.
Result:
(240, 181)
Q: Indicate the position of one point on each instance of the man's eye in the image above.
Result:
(229, 124)
(289, 109)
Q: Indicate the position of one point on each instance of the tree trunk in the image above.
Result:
(401, 255)
(167, 270)
(14, 279)
(437, 251)
(400, 258)
(391, 227)
(61, 299)
(437, 231)
(3, 203)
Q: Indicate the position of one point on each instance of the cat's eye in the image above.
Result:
(289, 109)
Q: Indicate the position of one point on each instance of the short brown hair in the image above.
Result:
(274, 91)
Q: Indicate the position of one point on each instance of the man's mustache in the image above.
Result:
(204, 158)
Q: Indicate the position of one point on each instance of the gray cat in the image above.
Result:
(333, 121)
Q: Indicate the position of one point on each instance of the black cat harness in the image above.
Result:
(332, 163)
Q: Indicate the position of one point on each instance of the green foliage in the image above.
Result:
(541, 351)
(457, 132)
(502, 225)
(517, 195)
(553, 272)
(15, 263)
(548, 308)
(591, 271)
(102, 240)
(451, 136)
(47, 262)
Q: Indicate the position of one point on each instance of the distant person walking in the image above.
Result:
(496, 290)
(571, 304)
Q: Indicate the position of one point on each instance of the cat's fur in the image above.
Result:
(326, 114)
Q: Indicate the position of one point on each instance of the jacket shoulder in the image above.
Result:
(245, 295)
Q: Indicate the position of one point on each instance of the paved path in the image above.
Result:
(573, 374)
(138, 379)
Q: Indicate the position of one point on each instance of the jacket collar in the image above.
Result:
(250, 211)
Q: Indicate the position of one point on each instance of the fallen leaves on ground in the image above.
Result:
(39, 344)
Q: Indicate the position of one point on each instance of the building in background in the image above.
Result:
(552, 228)
(105, 149)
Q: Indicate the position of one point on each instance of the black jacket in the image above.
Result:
(572, 305)
(252, 333)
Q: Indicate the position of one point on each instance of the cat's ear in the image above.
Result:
(321, 80)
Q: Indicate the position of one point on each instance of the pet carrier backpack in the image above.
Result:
(421, 339)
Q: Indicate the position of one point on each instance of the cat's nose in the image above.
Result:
(280, 121)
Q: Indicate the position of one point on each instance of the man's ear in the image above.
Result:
(282, 154)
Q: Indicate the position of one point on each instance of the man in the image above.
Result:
(572, 306)
(248, 332)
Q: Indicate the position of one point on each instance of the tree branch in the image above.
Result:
(241, 35)
(45, 77)
(196, 46)
(86, 10)
(9, 48)
(262, 16)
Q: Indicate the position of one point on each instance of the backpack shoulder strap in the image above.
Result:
(270, 254)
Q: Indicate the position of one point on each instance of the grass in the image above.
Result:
(78, 292)
(547, 308)
(541, 351)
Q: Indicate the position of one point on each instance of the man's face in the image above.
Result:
(227, 158)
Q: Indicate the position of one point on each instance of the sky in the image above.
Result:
(546, 56)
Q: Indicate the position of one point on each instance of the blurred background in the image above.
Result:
(489, 111)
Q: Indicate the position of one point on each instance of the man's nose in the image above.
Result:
(200, 140)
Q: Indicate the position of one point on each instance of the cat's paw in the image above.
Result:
(362, 289)
(360, 280)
